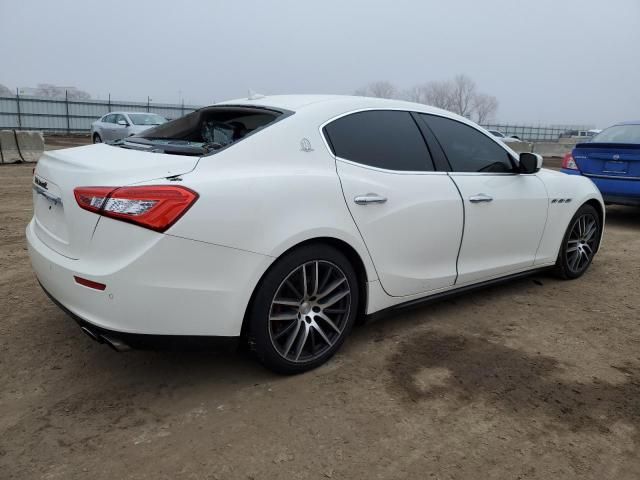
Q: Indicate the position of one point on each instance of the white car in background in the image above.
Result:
(502, 137)
(118, 125)
(281, 220)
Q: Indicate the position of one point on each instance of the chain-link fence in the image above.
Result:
(539, 133)
(67, 115)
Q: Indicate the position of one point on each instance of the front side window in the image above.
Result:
(386, 139)
(109, 118)
(468, 149)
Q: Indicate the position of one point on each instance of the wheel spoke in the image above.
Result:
(303, 340)
(316, 279)
(305, 290)
(334, 299)
(335, 284)
(592, 229)
(285, 330)
(318, 329)
(283, 316)
(293, 289)
(290, 340)
(287, 302)
(329, 321)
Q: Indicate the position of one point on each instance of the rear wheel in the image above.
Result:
(303, 310)
(97, 138)
(579, 244)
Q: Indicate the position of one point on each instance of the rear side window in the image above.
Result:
(109, 118)
(467, 149)
(380, 138)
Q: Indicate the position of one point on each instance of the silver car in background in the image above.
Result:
(118, 125)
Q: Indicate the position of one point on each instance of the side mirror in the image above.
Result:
(530, 162)
(123, 123)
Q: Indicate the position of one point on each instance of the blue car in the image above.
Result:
(612, 161)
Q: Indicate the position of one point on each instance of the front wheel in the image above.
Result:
(304, 308)
(579, 244)
(97, 138)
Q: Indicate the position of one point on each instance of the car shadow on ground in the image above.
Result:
(621, 216)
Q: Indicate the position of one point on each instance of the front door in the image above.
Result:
(505, 212)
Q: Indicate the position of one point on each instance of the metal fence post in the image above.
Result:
(66, 103)
(109, 104)
(148, 101)
(18, 109)
(182, 109)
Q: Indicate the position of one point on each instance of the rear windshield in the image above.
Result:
(619, 134)
(207, 130)
(146, 119)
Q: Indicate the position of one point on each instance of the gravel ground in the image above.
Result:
(535, 379)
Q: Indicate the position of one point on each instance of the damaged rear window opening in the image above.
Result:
(204, 131)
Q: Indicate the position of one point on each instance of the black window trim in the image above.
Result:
(514, 162)
(327, 141)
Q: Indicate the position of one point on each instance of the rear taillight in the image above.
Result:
(568, 162)
(156, 207)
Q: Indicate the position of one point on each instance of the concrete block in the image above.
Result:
(28, 148)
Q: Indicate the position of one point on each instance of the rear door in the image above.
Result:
(505, 212)
(410, 216)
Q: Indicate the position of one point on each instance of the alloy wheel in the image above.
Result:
(309, 311)
(581, 244)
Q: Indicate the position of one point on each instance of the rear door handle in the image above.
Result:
(480, 197)
(369, 198)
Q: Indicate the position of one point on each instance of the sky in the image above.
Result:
(547, 61)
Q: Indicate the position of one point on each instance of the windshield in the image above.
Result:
(146, 119)
(619, 134)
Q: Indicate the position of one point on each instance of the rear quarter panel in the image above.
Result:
(266, 194)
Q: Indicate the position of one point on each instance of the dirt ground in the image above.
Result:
(536, 379)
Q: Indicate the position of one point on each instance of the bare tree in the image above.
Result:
(463, 93)
(53, 91)
(485, 107)
(379, 89)
(4, 91)
(417, 94)
(458, 95)
(440, 94)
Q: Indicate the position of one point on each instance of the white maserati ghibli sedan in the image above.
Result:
(282, 220)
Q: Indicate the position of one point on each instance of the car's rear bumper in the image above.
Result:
(621, 191)
(176, 287)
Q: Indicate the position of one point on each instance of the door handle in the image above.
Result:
(369, 198)
(480, 197)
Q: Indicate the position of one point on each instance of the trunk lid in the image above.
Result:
(608, 159)
(58, 220)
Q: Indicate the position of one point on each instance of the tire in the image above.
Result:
(292, 326)
(579, 244)
(97, 138)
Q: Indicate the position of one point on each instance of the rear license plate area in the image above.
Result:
(615, 167)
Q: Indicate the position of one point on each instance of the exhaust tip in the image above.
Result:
(115, 343)
(91, 334)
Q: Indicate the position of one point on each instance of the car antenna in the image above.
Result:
(254, 95)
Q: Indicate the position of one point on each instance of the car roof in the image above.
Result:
(333, 105)
(127, 113)
(629, 122)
